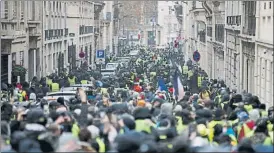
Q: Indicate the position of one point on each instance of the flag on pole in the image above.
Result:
(179, 68)
(179, 92)
(161, 85)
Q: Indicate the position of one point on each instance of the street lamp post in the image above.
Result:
(116, 45)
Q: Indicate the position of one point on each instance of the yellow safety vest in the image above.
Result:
(270, 127)
(101, 144)
(234, 141)
(84, 82)
(248, 107)
(185, 69)
(247, 131)
(223, 104)
(190, 74)
(164, 137)
(104, 91)
(142, 126)
(199, 81)
(219, 97)
(75, 130)
(180, 127)
(268, 141)
(49, 81)
(232, 123)
(20, 96)
(55, 87)
(264, 113)
(71, 81)
(271, 136)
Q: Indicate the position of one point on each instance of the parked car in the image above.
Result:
(55, 95)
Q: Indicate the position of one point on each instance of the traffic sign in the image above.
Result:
(196, 56)
(100, 54)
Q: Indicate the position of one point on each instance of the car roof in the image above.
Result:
(62, 92)
(113, 63)
(81, 85)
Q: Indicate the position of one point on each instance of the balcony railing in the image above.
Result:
(54, 33)
(34, 32)
(85, 29)
(233, 20)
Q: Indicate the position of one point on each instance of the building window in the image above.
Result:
(6, 14)
(269, 5)
(4, 26)
(219, 32)
(250, 19)
(15, 9)
(238, 20)
(209, 31)
(53, 6)
(202, 36)
(13, 58)
(22, 9)
(21, 57)
(265, 5)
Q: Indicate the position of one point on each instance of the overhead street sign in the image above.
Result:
(196, 56)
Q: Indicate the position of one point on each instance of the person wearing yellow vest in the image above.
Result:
(203, 131)
(185, 69)
(142, 120)
(49, 81)
(84, 81)
(199, 81)
(20, 96)
(245, 125)
(263, 111)
(248, 107)
(205, 94)
(55, 87)
(260, 134)
(211, 125)
(72, 80)
(190, 74)
(101, 145)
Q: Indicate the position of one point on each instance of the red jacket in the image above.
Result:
(170, 90)
(137, 88)
(19, 86)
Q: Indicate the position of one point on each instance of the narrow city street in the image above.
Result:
(136, 76)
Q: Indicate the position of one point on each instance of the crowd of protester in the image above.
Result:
(144, 115)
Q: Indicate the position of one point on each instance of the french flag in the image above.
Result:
(179, 92)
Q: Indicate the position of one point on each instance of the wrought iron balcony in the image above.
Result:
(34, 32)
